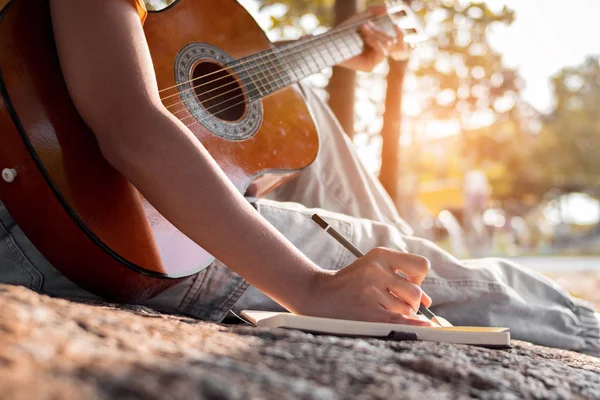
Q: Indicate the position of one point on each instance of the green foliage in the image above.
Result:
(564, 156)
(462, 76)
(510, 161)
(297, 8)
(459, 76)
(321, 9)
(459, 73)
(569, 144)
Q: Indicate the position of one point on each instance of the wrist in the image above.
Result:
(311, 293)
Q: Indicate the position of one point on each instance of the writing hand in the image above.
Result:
(370, 289)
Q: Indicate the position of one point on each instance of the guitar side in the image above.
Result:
(83, 216)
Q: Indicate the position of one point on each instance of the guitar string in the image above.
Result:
(282, 78)
(218, 112)
(273, 67)
(272, 71)
(297, 44)
(255, 90)
(277, 70)
(292, 46)
(301, 44)
(249, 93)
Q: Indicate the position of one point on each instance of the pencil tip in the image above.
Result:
(444, 323)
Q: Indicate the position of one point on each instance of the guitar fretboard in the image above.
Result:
(267, 72)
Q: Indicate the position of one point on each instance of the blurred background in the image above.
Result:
(488, 137)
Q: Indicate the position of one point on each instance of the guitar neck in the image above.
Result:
(267, 72)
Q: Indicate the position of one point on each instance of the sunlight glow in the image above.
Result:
(578, 209)
(546, 36)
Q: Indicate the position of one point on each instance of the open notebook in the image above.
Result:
(481, 336)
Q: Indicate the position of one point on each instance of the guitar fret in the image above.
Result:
(325, 56)
(266, 70)
(250, 74)
(278, 82)
(331, 50)
(266, 84)
(335, 45)
(290, 68)
(319, 43)
(341, 55)
(342, 41)
(357, 42)
(299, 55)
(283, 79)
(350, 45)
(305, 55)
(293, 64)
(315, 65)
(295, 61)
(329, 57)
(290, 76)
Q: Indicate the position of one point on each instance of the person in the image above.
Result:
(276, 258)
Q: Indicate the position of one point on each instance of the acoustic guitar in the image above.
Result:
(218, 73)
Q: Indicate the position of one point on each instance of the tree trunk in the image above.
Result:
(390, 133)
(342, 84)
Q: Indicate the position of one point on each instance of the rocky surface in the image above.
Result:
(59, 349)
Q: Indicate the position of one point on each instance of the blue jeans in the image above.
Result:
(468, 292)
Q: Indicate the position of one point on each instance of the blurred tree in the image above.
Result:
(392, 129)
(459, 76)
(569, 143)
(510, 163)
(342, 84)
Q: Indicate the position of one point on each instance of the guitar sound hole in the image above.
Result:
(218, 91)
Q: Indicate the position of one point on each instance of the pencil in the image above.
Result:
(358, 254)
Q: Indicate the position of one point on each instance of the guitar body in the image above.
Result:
(84, 217)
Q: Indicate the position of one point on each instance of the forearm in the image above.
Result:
(109, 72)
(158, 154)
(169, 166)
